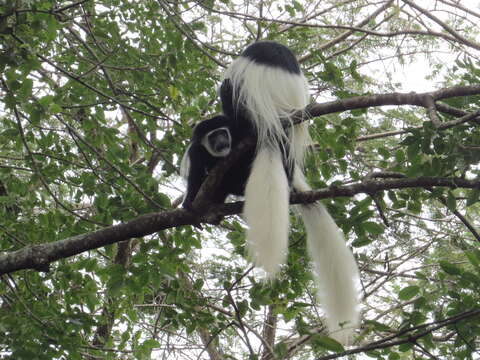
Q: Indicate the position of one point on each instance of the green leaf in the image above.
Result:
(291, 10)
(451, 201)
(173, 91)
(415, 206)
(198, 284)
(450, 268)
(474, 257)
(242, 308)
(384, 152)
(408, 292)
(353, 71)
(373, 354)
(327, 343)
(405, 347)
(416, 318)
(473, 196)
(297, 5)
(420, 303)
(51, 30)
(25, 90)
(377, 325)
(46, 100)
(332, 74)
(394, 356)
(281, 350)
(400, 156)
(145, 349)
(469, 277)
(55, 108)
(361, 241)
(373, 228)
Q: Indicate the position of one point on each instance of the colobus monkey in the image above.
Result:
(260, 92)
(212, 140)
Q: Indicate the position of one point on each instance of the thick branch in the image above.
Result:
(39, 257)
(373, 186)
(412, 98)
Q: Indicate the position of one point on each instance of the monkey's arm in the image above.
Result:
(196, 176)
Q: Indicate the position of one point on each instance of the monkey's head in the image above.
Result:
(214, 135)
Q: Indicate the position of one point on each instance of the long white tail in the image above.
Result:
(266, 210)
(336, 268)
(267, 87)
(270, 91)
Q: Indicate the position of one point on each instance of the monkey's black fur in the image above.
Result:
(272, 54)
(201, 161)
(236, 119)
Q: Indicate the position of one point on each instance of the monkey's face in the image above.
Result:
(218, 142)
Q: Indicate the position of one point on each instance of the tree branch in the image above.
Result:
(269, 332)
(447, 28)
(404, 336)
(411, 98)
(39, 257)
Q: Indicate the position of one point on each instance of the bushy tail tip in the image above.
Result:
(266, 211)
(336, 269)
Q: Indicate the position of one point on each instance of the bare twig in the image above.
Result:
(409, 335)
(447, 28)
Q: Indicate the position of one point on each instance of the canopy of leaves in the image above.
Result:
(97, 102)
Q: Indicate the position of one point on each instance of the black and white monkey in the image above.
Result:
(260, 92)
(212, 140)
